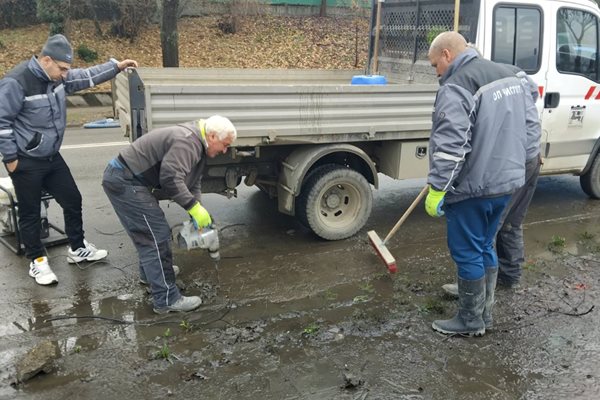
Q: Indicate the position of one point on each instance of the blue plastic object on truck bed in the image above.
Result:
(368, 80)
(102, 123)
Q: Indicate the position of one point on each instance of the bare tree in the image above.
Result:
(323, 10)
(169, 36)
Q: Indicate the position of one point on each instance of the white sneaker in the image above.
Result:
(87, 253)
(184, 304)
(39, 269)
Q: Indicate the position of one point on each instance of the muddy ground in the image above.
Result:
(289, 316)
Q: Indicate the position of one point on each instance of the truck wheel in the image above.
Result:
(335, 202)
(590, 181)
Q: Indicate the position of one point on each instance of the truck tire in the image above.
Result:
(590, 181)
(335, 202)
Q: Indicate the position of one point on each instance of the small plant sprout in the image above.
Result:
(530, 266)
(557, 244)
(363, 298)
(164, 352)
(167, 332)
(585, 235)
(367, 287)
(311, 328)
(185, 325)
(77, 349)
(329, 295)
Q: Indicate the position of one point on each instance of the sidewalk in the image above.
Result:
(88, 107)
(77, 116)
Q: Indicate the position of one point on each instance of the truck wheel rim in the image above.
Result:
(339, 205)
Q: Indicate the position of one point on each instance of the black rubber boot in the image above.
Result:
(491, 275)
(471, 302)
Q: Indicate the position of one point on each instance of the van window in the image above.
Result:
(517, 37)
(577, 43)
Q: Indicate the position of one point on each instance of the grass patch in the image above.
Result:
(432, 305)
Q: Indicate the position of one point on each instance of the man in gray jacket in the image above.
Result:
(510, 245)
(166, 163)
(477, 152)
(32, 125)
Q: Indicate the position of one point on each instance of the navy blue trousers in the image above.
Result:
(471, 229)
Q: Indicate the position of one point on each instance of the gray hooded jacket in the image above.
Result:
(478, 139)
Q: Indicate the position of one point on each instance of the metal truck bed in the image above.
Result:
(272, 107)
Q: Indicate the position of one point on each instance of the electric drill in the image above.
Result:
(190, 237)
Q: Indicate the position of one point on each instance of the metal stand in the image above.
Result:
(13, 240)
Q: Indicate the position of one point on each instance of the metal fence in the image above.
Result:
(409, 26)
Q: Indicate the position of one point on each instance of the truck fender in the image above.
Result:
(299, 162)
(592, 157)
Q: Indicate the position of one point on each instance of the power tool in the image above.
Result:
(190, 237)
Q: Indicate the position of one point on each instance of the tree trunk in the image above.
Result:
(169, 37)
(323, 10)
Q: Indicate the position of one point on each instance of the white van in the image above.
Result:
(554, 41)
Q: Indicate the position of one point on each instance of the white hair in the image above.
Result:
(221, 127)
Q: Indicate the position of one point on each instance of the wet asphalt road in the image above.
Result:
(271, 266)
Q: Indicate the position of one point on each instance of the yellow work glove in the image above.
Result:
(200, 216)
(434, 202)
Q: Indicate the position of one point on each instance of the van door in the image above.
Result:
(516, 36)
(571, 114)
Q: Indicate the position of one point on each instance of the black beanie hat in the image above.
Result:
(58, 48)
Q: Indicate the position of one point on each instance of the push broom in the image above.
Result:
(379, 245)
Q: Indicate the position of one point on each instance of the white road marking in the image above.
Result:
(568, 218)
(88, 145)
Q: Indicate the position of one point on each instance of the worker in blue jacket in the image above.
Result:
(33, 111)
(476, 161)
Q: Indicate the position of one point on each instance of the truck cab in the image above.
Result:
(556, 43)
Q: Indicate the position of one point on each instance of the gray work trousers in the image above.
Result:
(510, 245)
(145, 223)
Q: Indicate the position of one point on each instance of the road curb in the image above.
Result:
(89, 100)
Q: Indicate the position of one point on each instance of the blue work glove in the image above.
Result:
(434, 202)
(200, 217)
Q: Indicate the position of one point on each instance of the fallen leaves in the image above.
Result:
(260, 42)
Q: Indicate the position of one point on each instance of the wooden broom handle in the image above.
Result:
(407, 213)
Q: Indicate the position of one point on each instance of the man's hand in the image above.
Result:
(126, 64)
(11, 166)
(200, 216)
(434, 202)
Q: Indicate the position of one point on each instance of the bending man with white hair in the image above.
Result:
(165, 163)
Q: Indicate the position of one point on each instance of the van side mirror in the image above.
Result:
(551, 100)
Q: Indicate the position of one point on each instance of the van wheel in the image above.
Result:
(590, 181)
(335, 202)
